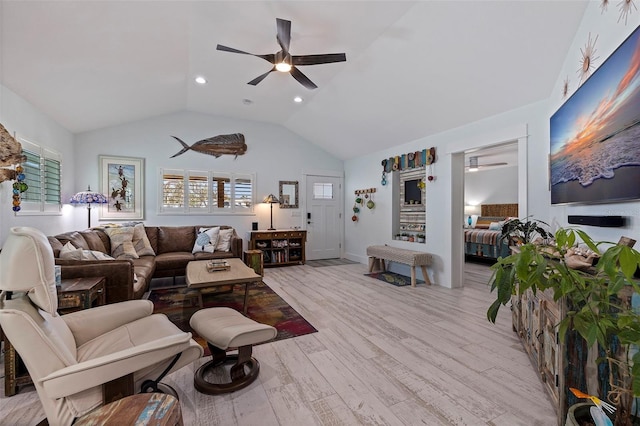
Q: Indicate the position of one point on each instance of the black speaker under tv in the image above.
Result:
(604, 221)
(595, 134)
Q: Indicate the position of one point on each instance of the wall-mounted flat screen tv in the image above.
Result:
(595, 135)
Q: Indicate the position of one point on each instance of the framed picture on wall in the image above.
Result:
(122, 181)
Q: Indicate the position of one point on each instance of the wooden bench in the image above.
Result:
(378, 254)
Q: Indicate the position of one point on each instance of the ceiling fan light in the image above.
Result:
(283, 67)
(201, 80)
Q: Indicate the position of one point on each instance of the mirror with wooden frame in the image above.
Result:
(288, 194)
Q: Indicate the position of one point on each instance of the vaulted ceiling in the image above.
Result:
(414, 68)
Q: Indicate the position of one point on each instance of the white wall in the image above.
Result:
(529, 122)
(493, 186)
(273, 154)
(19, 116)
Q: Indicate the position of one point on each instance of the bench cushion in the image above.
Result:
(400, 255)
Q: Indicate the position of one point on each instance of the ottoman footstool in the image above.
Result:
(225, 328)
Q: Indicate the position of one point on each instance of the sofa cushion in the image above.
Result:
(122, 243)
(93, 240)
(215, 255)
(174, 260)
(175, 239)
(141, 242)
(144, 268)
(206, 240)
(75, 238)
(56, 245)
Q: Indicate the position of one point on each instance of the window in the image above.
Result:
(206, 192)
(322, 191)
(43, 176)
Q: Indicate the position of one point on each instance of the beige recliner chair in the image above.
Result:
(70, 356)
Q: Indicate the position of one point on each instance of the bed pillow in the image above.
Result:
(224, 240)
(206, 240)
(495, 226)
(122, 243)
(141, 242)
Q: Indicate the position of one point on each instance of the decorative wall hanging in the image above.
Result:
(122, 179)
(232, 144)
(565, 87)
(625, 9)
(11, 155)
(368, 196)
(412, 160)
(587, 63)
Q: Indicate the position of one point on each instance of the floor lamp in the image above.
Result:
(271, 199)
(89, 197)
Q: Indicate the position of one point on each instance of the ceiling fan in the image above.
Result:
(283, 61)
(474, 166)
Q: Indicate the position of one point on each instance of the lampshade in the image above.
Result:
(88, 197)
(271, 199)
(471, 210)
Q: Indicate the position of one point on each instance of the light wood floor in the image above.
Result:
(383, 355)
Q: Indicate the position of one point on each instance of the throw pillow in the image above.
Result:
(224, 240)
(122, 243)
(141, 241)
(95, 255)
(69, 252)
(206, 240)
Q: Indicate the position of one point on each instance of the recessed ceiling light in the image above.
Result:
(247, 101)
(201, 80)
(297, 99)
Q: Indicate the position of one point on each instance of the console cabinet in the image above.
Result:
(280, 248)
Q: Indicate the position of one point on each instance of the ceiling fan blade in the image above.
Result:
(268, 57)
(258, 79)
(302, 79)
(284, 33)
(318, 59)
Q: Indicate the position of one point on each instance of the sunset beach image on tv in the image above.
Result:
(595, 135)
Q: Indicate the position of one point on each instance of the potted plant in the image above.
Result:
(596, 310)
(404, 236)
(420, 238)
(517, 231)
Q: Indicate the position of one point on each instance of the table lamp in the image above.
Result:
(271, 199)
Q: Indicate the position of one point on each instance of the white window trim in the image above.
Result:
(211, 209)
(41, 208)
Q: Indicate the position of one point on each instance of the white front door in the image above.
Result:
(323, 217)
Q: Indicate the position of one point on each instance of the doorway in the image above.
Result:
(518, 136)
(323, 217)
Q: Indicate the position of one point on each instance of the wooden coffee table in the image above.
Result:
(198, 277)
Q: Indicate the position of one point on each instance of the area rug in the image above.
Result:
(264, 306)
(329, 262)
(393, 278)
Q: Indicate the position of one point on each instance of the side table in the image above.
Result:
(74, 294)
(255, 259)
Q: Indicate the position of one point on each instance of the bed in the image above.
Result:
(483, 241)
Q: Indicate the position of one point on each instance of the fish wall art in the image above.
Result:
(232, 144)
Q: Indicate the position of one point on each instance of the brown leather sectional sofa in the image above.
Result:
(171, 244)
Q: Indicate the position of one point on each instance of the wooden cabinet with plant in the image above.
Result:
(600, 321)
(280, 248)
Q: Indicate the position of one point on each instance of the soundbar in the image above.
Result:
(603, 221)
